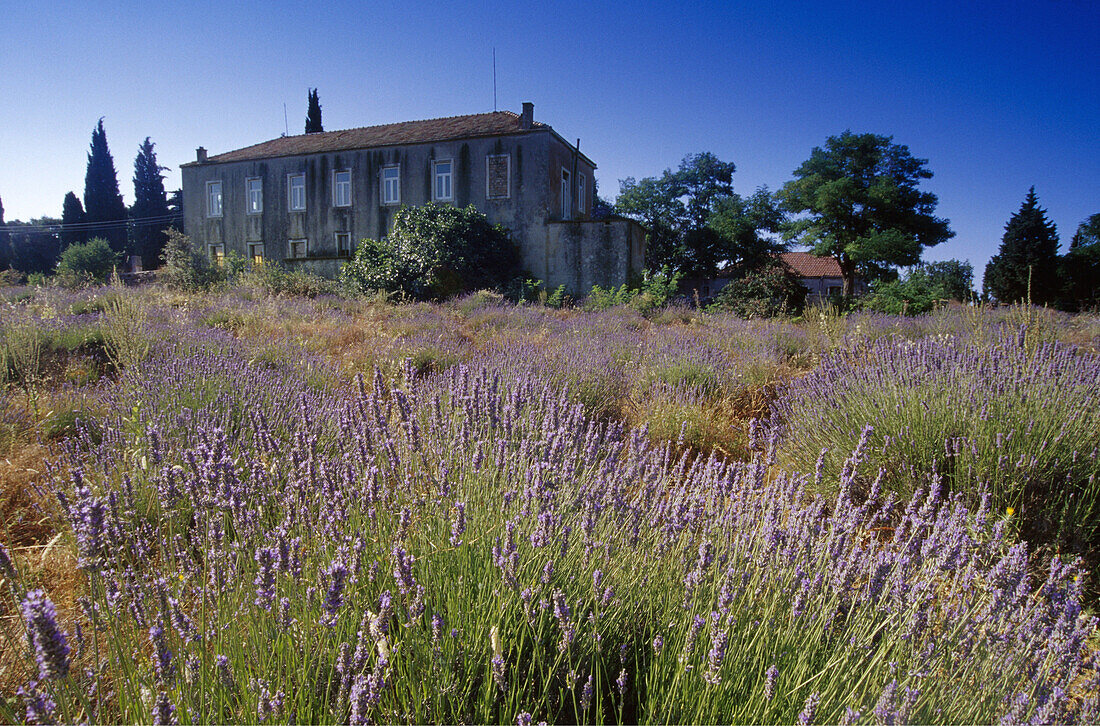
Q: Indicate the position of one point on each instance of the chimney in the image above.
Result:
(200, 155)
(527, 118)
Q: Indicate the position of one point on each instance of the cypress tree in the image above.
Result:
(72, 221)
(1028, 257)
(313, 115)
(149, 216)
(103, 206)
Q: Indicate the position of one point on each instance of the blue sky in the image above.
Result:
(998, 96)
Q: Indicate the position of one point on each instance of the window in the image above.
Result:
(343, 243)
(256, 253)
(341, 188)
(298, 248)
(391, 185)
(498, 170)
(213, 199)
(580, 193)
(217, 254)
(255, 189)
(442, 191)
(566, 206)
(296, 186)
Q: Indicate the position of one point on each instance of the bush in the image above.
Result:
(923, 289)
(772, 292)
(91, 261)
(652, 291)
(434, 251)
(184, 267)
(277, 279)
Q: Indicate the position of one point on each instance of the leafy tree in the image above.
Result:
(953, 279)
(740, 222)
(87, 261)
(923, 288)
(33, 246)
(675, 208)
(72, 221)
(1026, 266)
(601, 208)
(103, 207)
(149, 215)
(861, 205)
(313, 115)
(185, 268)
(435, 251)
(1080, 267)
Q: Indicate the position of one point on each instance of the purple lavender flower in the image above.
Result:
(770, 677)
(458, 527)
(337, 574)
(403, 570)
(586, 694)
(41, 709)
(265, 578)
(162, 657)
(809, 709)
(7, 567)
(46, 639)
(718, 640)
(620, 682)
(164, 713)
(225, 673)
(524, 719)
(658, 644)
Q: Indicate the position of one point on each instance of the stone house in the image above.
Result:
(306, 200)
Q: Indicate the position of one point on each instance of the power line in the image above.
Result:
(85, 226)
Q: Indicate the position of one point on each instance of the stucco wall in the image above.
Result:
(581, 254)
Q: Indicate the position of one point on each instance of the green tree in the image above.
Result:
(1026, 266)
(72, 221)
(922, 288)
(149, 215)
(747, 227)
(175, 210)
(33, 246)
(435, 251)
(313, 115)
(1080, 267)
(103, 207)
(675, 209)
(767, 292)
(860, 204)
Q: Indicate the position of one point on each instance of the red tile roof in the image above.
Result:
(496, 123)
(808, 265)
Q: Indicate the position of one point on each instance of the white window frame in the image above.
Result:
(449, 176)
(290, 178)
(396, 199)
(344, 249)
(257, 259)
(214, 209)
(337, 201)
(566, 195)
(508, 176)
(250, 197)
(581, 191)
(305, 248)
(217, 253)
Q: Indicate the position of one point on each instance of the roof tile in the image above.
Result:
(496, 123)
(806, 264)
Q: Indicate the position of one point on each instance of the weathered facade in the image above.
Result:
(306, 200)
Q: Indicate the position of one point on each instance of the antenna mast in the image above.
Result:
(494, 79)
(286, 124)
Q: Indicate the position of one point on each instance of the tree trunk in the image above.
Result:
(848, 275)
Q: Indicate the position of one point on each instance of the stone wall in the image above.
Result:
(581, 254)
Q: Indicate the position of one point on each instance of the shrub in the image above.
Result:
(93, 260)
(276, 279)
(184, 267)
(652, 291)
(434, 251)
(768, 293)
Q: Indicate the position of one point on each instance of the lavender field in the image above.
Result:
(235, 507)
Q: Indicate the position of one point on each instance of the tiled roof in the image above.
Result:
(496, 123)
(808, 265)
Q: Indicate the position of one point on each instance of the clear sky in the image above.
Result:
(997, 96)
